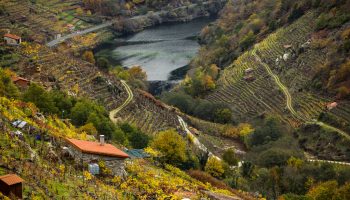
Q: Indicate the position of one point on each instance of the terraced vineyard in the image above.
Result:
(23, 16)
(80, 78)
(281, 75)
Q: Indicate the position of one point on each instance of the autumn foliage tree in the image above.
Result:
(89, 56)
(172, 147)
(214, 167)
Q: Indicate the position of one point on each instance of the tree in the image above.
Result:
(79, 11)
(343, 92)
(40, 98)
(323, 191)
(136, 138)
(275, 157)
(103, 63)
(88, 128)
(214, 167)
(343, 193)
(7, 88)
(213, 71)
(136, 72)
(229, 157)
(270, 131)
(180, 100)
(171, 145)
(247, 169)
(247, 40)
(223, 115)
(89, 56)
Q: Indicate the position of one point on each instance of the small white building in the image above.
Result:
(11, 39)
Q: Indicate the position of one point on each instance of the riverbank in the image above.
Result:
(162, 51)
(180, 14)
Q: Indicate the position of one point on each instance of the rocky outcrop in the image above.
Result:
(180, 14)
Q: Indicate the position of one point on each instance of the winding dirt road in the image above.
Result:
(289, 103)
(126, 102)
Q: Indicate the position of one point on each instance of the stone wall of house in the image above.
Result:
(116, 165)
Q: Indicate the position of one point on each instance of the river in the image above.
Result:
(158, 50)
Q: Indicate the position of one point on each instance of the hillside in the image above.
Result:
(49, 174)
(263, 112)
(294, 72)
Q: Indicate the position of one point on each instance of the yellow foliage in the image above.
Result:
(30, 48)
(345, 35)
(214, 167)
(209, 83)
(146, 181)
(152, 152)
(87, 175)
(79, 11)
(295, 162)
(245, 129)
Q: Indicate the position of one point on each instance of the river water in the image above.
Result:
(158, 50)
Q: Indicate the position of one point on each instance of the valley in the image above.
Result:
(175, 99)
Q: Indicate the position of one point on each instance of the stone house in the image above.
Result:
(20, 82)
(332, 105)
(87, 152)
(11, 186)
(11, 39)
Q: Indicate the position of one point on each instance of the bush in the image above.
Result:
(247, 40)
(43, 100)
(180, 100)
(323, 191)
(172, 146)
(207, 178)
(270, 131)
(223, 115)
(7, 88)
(136, 138)
(103, 63)
(275, 157)
(89, 57)
(229, 157)
(214, 167)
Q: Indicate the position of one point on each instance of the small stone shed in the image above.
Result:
(11, 185)
(11, 39)
(87, 152)
(21, 82)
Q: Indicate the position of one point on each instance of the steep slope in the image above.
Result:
(50, 174)
(283, 65)
(80, 78)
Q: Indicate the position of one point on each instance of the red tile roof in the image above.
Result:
(96, 148)
(11, 179)
(12, 36)
(17, 78)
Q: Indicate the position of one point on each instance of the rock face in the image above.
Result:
(116, 165)
(180, 14)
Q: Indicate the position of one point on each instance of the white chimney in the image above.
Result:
(102, 140)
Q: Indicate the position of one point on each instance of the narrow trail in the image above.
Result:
(183, 124)
(126, 102)
(328, 161)
(289, 103)
(194, 139)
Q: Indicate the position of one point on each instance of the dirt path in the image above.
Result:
(289, 103)
(126, 102)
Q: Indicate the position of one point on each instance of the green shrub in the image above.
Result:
(247, 40)
(229, 157)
